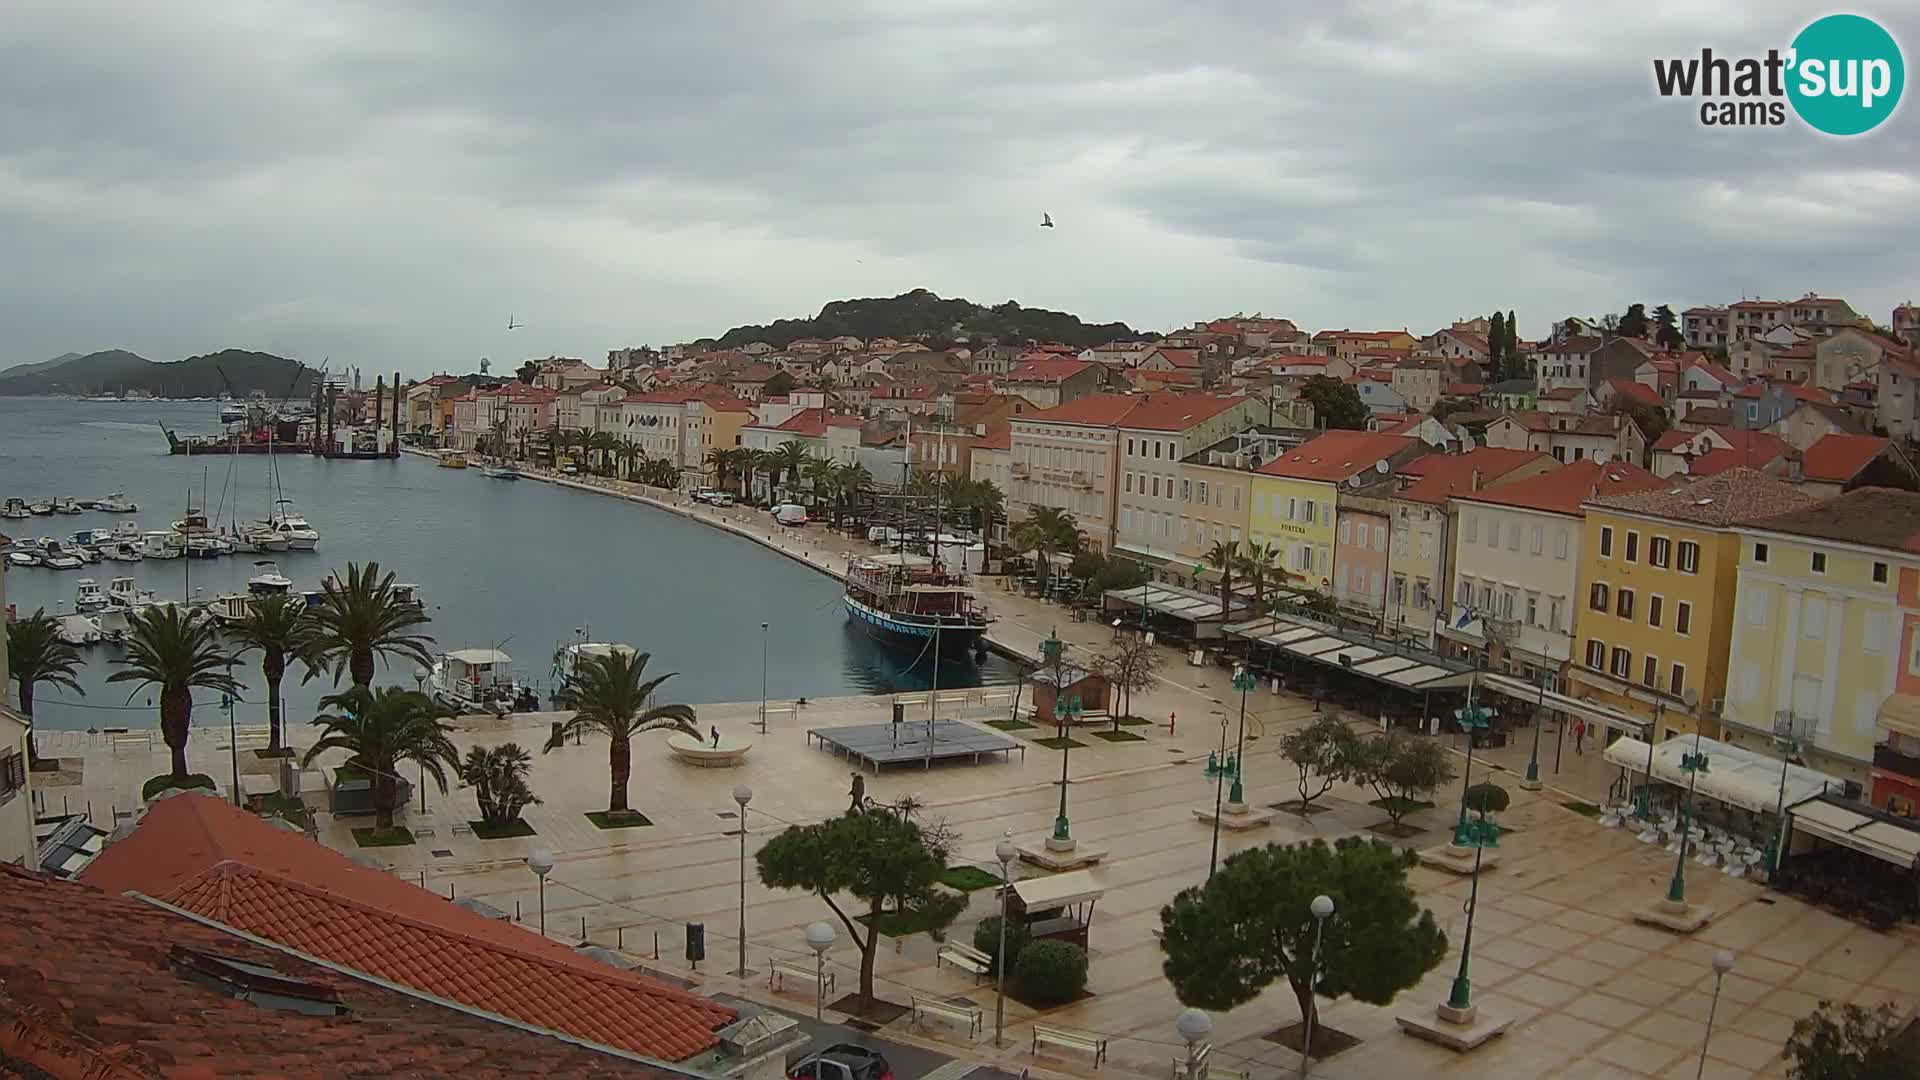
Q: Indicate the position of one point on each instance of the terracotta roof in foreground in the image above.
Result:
(225, 864)
(97, 986)
(1735, 497)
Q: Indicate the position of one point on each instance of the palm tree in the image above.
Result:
(380, 729)
(819, 472)
(1046, 531)
(723, 460)
(608, 696)
(364, 616)
(1260, 566)
(788, 460)
(761, 461)
(178, 651)
(36, 653)
(278, 629)
(1223, 556)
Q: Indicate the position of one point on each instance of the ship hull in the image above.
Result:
(914, 636)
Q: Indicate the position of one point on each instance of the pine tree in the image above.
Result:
(1668, 335)
(1634, 323)
(1496, 347)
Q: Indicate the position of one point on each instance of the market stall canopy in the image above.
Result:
(1059, 890)
(1871, 833)
(1734, 775)
(1189, 604)
(1354, 651)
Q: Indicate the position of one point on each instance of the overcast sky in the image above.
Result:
(385, 183)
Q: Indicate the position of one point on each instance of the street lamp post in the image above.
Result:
(1789, 746)
(1243, 681)
(1645, 810)
(1532, 782)
(1472, 719)
(1722, 963)
(763, 678)
(420, 684)
(742, 794)
(1006, 853)
(1693, 764)
(1480, 834)
(540, 861)
(1219, 767)
(1321, 907)
(1194, 1026)
(819, 938)
(1067, 712)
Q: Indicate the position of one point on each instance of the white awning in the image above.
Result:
(1190, 604)
(1734, 775)
(476, 657)
(1592, 712)
(1868, 835)
(1059, 890)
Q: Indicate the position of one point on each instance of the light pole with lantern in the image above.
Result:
(540, 861)
(742, 795)
(1219, 767)
(1693, 765)
(1532, 782)
(1480, 834)
(420, 684)
(1243, 681)
(1194, 1026)
(1472, 719)
(1321, 907)
(820, 937)
(1722, 963)
(1006, 853)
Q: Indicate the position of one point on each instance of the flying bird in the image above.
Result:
(511, 325)
(1046, 220)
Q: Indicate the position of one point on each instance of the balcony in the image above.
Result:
(1890, 760)
(1020, 468)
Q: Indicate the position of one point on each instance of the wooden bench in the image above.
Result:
(1085, 1042)
(133, 741)
(781, 970)
(965, 957)
(461, 828)
(957, 1012)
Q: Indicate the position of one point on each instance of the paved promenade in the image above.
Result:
(1593, 995)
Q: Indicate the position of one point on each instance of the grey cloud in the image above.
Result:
(382, 183)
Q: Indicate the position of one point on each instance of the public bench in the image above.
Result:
(966, 1014)
(1066, 1038)
(965, 957)
(785, 969)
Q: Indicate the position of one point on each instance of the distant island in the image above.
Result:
(921, 316)
(119, 372)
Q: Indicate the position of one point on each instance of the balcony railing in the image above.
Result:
(1893, 761)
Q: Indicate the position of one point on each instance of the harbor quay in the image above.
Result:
(1588, 992)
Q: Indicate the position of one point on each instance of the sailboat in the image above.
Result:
(284, 523)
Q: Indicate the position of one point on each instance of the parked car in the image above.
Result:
(842, 1061)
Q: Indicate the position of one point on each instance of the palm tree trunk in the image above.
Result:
(360, 667)
(384, 793)
(26, 710)
(620, 759)
(176, 716)
(275, 669)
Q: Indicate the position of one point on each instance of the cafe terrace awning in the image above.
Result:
(1354, 652)
(1734, 775)
(1593, 712)
(1873, 834)
(1189, 604)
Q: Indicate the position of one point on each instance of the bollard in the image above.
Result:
(516, 911)
(656, 944)
(620, 937)
(89, 809)
(583, 928)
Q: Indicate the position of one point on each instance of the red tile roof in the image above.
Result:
(999, 436)
(1336, 455)
(1636, 391)
(220, 862)
(1180, 358)
(1754, 449)
(1094, 410)
(1177, 412)
(1443, 476)
(90, 988)
(1734, 497)
(1839, 458)
(1179, 377)
(1049, 370)
(1564, 489)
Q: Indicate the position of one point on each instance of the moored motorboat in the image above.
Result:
(160, 544)
(15, 508)
(117, 503)
(121, 551)
(88, 595)
(474, 680)
(300, 535)
(80, 630)
(66, 505)
(23, 557)
(40, 506)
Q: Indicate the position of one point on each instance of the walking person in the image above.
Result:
(1579, 736)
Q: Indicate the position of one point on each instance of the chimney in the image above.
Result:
(1795, 473)
(1473, 481)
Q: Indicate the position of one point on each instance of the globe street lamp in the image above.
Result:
(1218, 768)
(742, 794)
(1194, 1026)
(420, 684)
(540, 861)
(763, 678)
(1068, 712)
(819, 938)
(1322, 907)
(1722, 963)
(1243, 681)
(1006, 853)
(1472, 719)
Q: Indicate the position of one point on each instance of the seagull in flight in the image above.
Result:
(511, 325)
(1046, 220)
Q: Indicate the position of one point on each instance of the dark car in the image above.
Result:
(842, 1061)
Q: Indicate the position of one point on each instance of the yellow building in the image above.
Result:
(1657, 582)
(1296, 494)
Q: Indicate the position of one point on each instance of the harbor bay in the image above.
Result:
(525, 568)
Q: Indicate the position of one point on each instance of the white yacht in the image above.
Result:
(89, 596)
(80, 630)
(23, 558)
(126, 596)
(121, 551)
(160, 544)
(300, 535)
(15, 508)
(264, 538)
(66, 505)
(118, 503)
(474, 680)
(59, 557)
(269, 580)
(126, 532)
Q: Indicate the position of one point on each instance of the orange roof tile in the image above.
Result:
(1839, 458)
(1734, 497)
(1049, 369)
(1094, 410)
(1443, 476)
(205, 856)
(93, 987)
(1755, 449)
(1336, 455)
(1177, 412)
(1563, 490)
(1636, 392)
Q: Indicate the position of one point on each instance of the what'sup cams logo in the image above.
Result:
(1842, 75)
